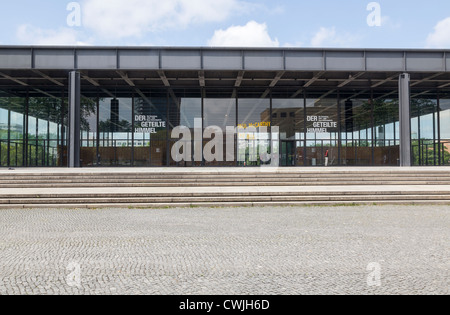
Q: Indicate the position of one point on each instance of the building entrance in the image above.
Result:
(291, 153)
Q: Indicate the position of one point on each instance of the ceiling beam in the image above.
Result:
(125, 77)
(386, 95)
(419, 94)
(326, 94)
(47, 94)
(163, 77)
(201, 78)
(86, 77)
(265, 94)
(299, 91)
(108, 93)
(26, 84)
(443, 85)
(239, 79)
(357, 94)
(48, 78)
(385, 81)
(350, 79)
(277, 78)
(316, 77)
(273, 83)
(426, 79)
(13, 79)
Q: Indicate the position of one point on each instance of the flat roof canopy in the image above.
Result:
(46, 68)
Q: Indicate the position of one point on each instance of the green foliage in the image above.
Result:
(427, 153)
(15, 151)
(37, 156)
(421, 107)
(109, 126)
(384, 111)
(46, 109)
(88, 108)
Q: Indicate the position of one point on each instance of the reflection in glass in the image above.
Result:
(219, 112)
(253, 132)
(425, 146)
(89, 132)
(289, 116)
(150, 130)
(322, 132)
(386, 145)
(357, 128)
(356, 132)
(444, 119)
(183, 111)
(115, 128)
(44, 117)
(12, 131)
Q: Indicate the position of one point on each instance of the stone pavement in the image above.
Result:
(292, 250)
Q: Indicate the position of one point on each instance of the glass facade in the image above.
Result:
(219, 112)
(443, 119)
(322, 130)
(430, 128)
(89, 132)
(32, 131)
(386, 131)
(133, 128)
(289, 116)
(185, 109)
(356, 131)
(253, 137)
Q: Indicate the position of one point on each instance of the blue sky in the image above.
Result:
(319, 23)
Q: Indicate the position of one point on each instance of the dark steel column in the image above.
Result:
(405, 120)
(340, 127)
(74, 120)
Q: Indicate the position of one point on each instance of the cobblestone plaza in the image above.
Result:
(292, 250)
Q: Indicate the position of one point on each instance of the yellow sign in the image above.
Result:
(250, 135)
(254, 125)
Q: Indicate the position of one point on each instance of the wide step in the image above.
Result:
(134, 200)
(209, 188)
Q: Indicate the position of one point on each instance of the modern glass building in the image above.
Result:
(104, 106)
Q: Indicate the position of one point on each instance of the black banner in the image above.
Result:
(228, 304)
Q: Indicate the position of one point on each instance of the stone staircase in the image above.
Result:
(222, 187)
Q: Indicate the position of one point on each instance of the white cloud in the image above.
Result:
(387, 21)
(133, 18)
(323, 35)
(293, 45)
(440, 38)
(30, 35)
(251, 35)
(328, 37)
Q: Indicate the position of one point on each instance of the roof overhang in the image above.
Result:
(294, 69)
